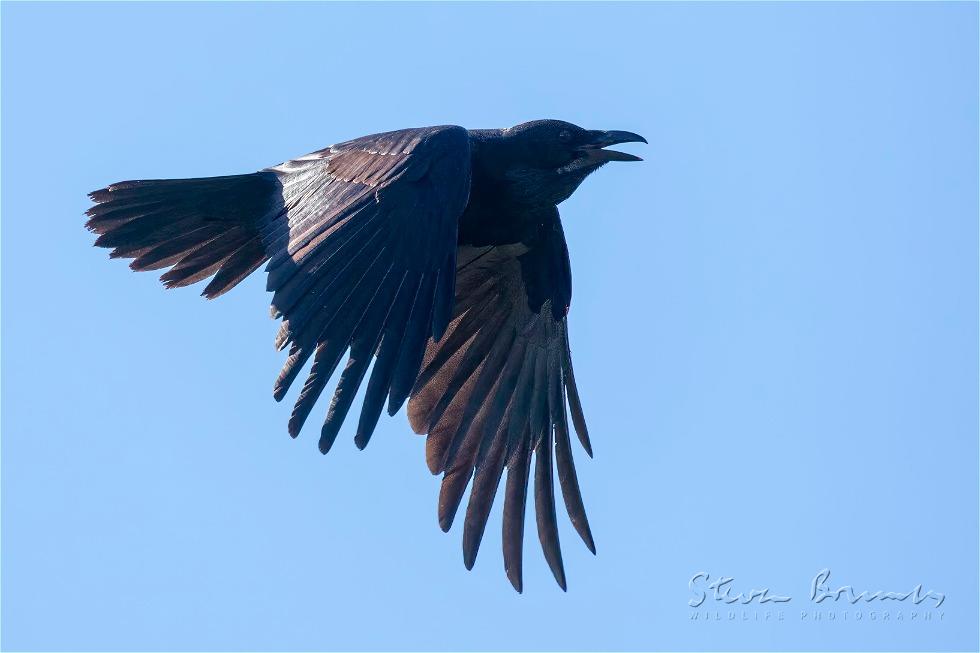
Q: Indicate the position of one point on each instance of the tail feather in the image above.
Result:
(236, 267)
(172, 249)
(196, 227)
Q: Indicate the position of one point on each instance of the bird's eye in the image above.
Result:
(564, 136)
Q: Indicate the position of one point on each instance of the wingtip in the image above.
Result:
(585, 533)
(278, 392)
(329, 431)
(514, 576)
(394, 405)
(559, 573)
(364, 435)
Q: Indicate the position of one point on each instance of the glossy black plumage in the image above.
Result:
(438, 254)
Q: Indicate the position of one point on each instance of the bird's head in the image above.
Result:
(550, 158)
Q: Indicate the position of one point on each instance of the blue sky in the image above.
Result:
(774, 324)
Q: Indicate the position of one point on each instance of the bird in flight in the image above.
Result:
(436, 252)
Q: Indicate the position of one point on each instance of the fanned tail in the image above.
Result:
(198, 228)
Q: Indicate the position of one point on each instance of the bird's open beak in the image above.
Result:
(600, 139)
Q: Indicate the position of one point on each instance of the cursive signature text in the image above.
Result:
(722, 591)
(819, 592)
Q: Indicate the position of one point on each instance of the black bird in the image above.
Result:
(439, 253)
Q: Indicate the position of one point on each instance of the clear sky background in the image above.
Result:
(774, 324)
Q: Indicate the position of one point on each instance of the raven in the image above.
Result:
(438, 252)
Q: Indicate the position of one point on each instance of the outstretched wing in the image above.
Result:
(364, 258)
(492, 394)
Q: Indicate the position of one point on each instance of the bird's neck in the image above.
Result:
(500, 177)
(500, 211)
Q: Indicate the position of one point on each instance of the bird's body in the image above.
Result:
(438, 254)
